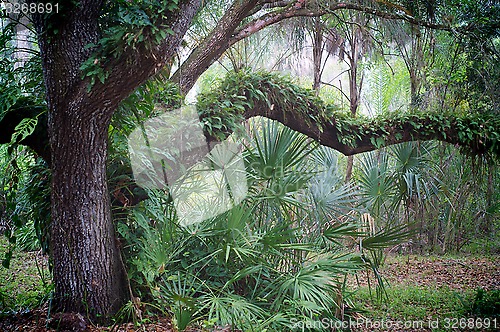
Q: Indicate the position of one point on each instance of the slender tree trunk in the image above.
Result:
(490, 192)
(317, 53)
(89, 276)
(414, 88)
(353, 96)
(348, 171)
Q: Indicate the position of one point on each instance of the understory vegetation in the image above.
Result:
(288, 252)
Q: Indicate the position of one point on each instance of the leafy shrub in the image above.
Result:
(280, 256)
(486, 303)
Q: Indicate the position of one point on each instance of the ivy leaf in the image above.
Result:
(25, 128)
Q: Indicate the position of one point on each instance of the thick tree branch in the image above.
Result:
(227, 32)
(77, 27)
(213, 46)
(134, 67)
(268, 95)
(390, 131)
(73, 27)
(271, 96)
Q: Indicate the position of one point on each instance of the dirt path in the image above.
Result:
(456, 273)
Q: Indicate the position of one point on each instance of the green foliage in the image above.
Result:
(25, 128)
(127, 25)
(151, 99)
(486, 303)
(272, 258)
(389, 87)
(20, 86)
(9, 88)
(34, 208)
(223, 107)
(25, 201)
(24, 194)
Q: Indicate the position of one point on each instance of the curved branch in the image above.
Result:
(213, 46)
(227, 32)
(271, 96)
(297, 11)
(388, 131)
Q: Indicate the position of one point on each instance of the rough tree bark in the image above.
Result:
(89, 276)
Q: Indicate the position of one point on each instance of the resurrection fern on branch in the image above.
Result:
(244, 94)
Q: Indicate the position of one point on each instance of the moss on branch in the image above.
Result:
(244, 94)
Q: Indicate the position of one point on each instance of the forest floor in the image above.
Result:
(419, 289)
(426, 293)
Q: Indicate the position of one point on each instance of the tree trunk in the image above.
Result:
(317, 53)
(348, 171)
(353, 93)
(89, 276)
(490, 194)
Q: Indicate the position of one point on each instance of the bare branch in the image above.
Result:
(296, 11)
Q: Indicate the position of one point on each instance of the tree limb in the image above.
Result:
(213, 46)
(271, 96)
(298, 11)
(227, 32)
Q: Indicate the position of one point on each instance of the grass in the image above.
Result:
(425, 289)
(26, 283)
(415, 303)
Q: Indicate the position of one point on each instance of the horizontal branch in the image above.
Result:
(303, 11)
(269, 95)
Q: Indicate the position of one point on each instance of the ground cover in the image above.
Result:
(419, 289)
(425, 290)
